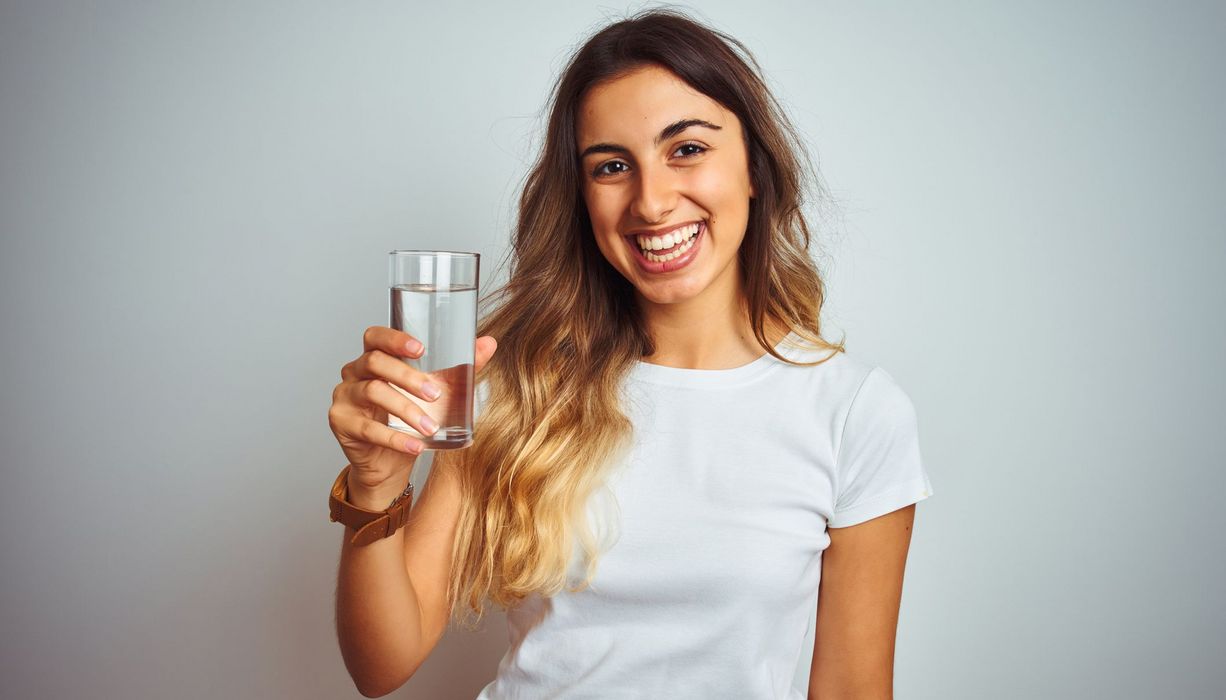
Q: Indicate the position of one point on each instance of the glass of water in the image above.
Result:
(434, 299)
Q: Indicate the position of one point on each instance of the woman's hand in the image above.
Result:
(380, 455)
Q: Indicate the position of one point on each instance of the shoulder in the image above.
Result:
(857, 389)
(879, 410)
(880, 393)
(835, 376)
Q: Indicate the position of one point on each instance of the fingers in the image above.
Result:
(379, 394)
(380, 379)
(396, 344)
(377, 364)
(356, 425)
(391, 341)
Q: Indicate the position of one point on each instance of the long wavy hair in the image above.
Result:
(569, 328)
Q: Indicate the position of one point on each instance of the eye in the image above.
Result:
(692, 149)
(602, 169)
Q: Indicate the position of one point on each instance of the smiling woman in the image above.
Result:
(670, 462)
(694, 172)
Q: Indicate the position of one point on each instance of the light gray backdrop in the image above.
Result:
(197, 199)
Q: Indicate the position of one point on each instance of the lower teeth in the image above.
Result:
(671, 256)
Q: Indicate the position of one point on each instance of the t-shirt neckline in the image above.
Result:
(709, 378)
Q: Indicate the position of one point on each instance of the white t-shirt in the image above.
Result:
(716, 522)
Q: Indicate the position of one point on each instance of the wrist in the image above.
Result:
(374, 516)
(376, 498)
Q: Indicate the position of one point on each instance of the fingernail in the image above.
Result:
(428, 424)
(430, 391)
(413, 346)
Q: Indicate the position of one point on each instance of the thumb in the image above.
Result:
(483, 351)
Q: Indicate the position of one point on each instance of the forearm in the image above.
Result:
(378, 619)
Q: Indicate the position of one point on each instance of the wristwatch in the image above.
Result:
(370, 526)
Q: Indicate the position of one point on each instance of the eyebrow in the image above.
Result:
(667, 133)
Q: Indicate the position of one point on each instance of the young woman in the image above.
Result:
(671, 467)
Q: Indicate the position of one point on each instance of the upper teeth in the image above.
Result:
(668, 240)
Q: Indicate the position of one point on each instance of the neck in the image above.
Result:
(710, 331)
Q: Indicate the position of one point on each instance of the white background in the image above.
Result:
(1027, 231)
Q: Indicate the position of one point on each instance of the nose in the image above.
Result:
(656, 195)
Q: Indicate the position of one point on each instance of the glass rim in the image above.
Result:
(435, 252)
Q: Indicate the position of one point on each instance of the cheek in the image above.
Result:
(721, 193)
(603, 228)
(601, 209)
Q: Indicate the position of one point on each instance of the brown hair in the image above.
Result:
(568, 333)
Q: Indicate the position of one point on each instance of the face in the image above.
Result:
(665, 168)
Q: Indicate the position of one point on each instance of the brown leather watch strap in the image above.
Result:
(370, 526)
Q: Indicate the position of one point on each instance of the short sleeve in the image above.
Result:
(878, 466)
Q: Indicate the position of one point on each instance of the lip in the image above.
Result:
(671, 265)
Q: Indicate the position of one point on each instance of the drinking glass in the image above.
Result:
(434, 299)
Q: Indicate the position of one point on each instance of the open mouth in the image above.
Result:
(668, 246)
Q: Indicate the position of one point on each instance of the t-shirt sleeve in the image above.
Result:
(878, 466)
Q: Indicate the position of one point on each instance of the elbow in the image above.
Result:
(377, 688)
(379, 666)
(373, 682)
(371, 691)
(376, 685)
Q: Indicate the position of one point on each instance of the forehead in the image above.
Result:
(635, 106)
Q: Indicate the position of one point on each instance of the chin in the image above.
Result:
(669, 293)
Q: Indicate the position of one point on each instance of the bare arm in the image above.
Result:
(391, 607)
(858, 604)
